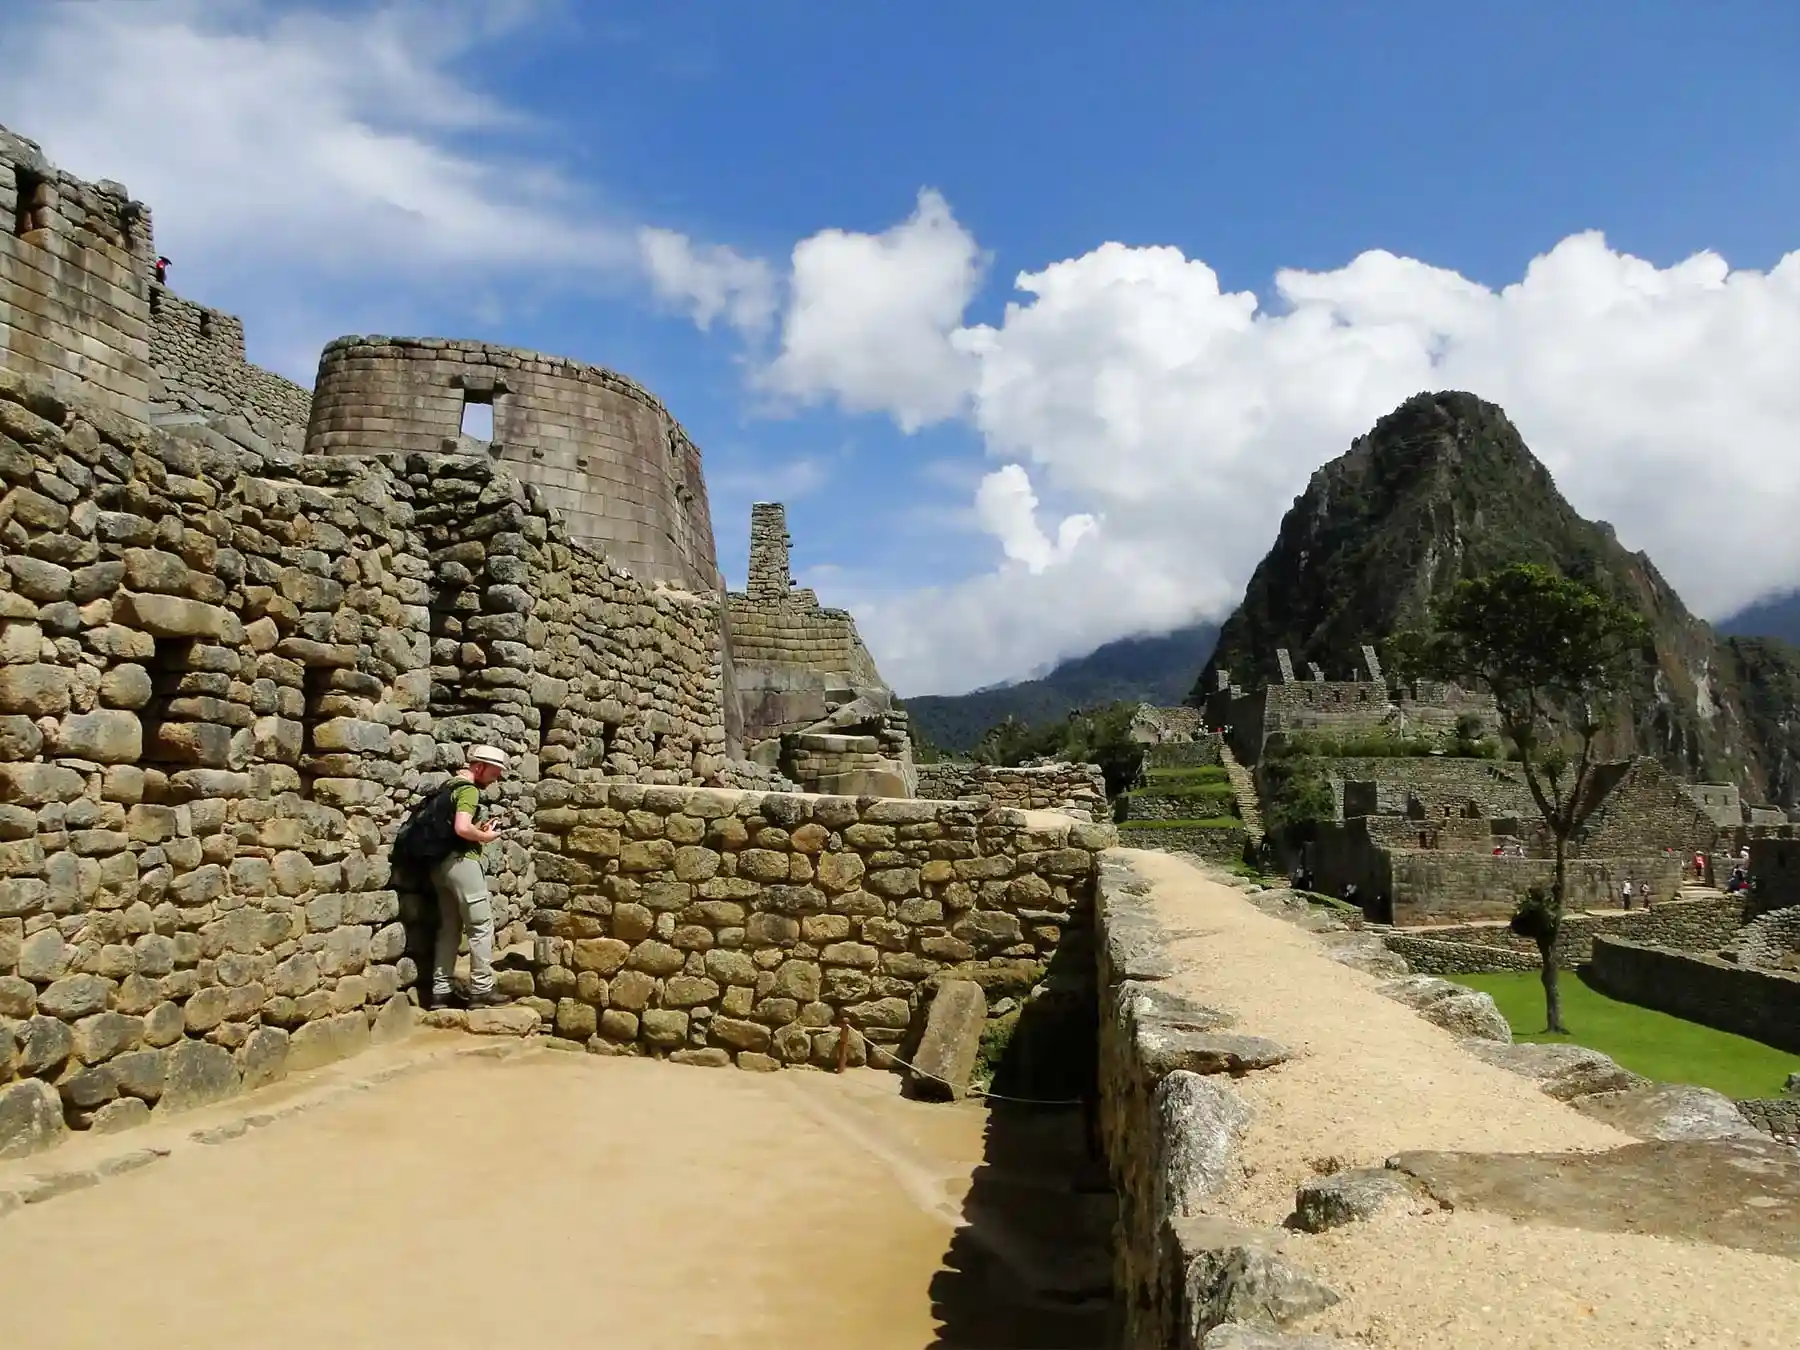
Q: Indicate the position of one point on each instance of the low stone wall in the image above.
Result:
(1761, 1004)
(1184, 754)
(1771, 940)
(712, 926)
(1779, 1116)
(1077, 789)
(1684, 925)
(1219, 845)
(1430, 887)
(1167, 1133)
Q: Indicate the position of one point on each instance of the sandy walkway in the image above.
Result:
(1375, 1079)
(541, 1200)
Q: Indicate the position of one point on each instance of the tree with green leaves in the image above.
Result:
(1553, 653)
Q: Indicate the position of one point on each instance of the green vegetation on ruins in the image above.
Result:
(1100, 736)
(1662, 1048)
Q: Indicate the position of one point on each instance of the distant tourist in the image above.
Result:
(1625, 893)
(162, 271)
(1644, 894)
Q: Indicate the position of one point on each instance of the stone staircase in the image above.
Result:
(1244, 786)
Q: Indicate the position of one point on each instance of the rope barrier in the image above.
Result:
(938, 1078)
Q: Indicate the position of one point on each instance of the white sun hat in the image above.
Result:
(488, 754)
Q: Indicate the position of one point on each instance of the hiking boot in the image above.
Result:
(489, 998)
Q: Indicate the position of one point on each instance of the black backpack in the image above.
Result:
(428, 835)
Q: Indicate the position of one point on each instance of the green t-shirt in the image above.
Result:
(466, 798)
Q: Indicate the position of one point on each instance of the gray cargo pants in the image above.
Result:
(462, 905)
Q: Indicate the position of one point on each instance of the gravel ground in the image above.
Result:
(1371, 1079)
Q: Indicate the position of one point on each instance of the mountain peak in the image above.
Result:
(1444, 488)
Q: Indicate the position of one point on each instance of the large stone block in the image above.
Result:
(171, 616)
(35, 690)
(106, 737)
(327, 1040)
(197, 1074)
(952, 1042)
(31, 1119)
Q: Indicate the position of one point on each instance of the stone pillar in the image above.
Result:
(1372, 664)
(1286, 663)
(769, 577)
(1317, 672)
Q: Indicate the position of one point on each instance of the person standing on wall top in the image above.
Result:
(162, 271)
(463, 904)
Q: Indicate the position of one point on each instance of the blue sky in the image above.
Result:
(991, 488)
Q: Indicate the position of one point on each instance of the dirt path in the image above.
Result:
(1374, 1079)
(542, 1199)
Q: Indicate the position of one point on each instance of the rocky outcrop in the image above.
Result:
(1443, 488)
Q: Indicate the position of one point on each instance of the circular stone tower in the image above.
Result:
(604, 451)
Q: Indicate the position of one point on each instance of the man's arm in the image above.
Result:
(466, 828)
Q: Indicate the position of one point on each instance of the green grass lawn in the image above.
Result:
(1659, 1046)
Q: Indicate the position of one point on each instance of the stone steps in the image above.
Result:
(1245, 788)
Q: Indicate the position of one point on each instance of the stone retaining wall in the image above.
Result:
(197, 355)
(1074, 788)
(1779, 1116)
(1223, 845)
(1685, 925)
(1761, 1004)
(715, 926)
(1167, 1133)
(225, 675)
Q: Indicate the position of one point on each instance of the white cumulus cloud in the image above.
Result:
(279, 146)
(710, 281)
(1007, 508)
(869, 316)
(1177, 421)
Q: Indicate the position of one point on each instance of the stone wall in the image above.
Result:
(1777, 1115)
(1770, 940)
(1775, 864)
(75, 259)
(225, 674)
(1170, 1135)
(1684, 925)
(717, 926)
(1428, 887)
(1194, 754)
(198, 363)
(1216, 844)
(1761, 1004)
(603, 450)
(1340, 708)
(1645, 810)
(1079, 789)
(1439, 786)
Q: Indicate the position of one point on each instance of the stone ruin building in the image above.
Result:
(244, 627)
(1366, 704)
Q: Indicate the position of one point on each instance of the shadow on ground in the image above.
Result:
(1030, 1266)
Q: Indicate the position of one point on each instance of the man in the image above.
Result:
(162, 271)
(462, 891)
(1625, 893)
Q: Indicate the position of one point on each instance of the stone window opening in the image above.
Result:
(170, 661)
(315, 684)
(609, 740)
(31, 206)
(477, 415)
(546, 721)
(155, 301)
(206, 323)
